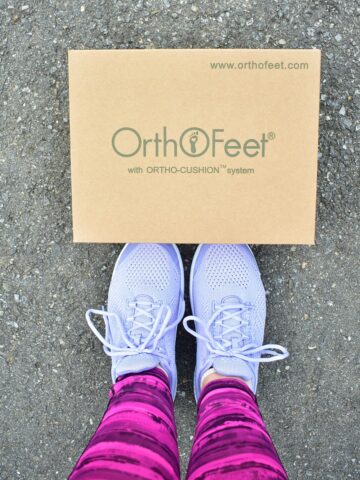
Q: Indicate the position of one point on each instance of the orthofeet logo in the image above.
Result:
(192, 142)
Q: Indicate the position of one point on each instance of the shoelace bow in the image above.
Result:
(224, 349)
(157, 322)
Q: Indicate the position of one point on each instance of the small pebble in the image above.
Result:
(6, 287)
(13, 324)
(338, 37)
(342, 111)
(346, 122)
(282, 41)
(194, 8)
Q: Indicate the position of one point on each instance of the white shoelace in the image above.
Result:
(218, 345)
(156, 321)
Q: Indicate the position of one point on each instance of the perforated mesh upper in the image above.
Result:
(153, 271)
(226, 267)
(230, 270)
(258, 319)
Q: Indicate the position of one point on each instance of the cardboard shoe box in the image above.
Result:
(194, 146)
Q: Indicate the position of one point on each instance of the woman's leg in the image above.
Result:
(229, 309)
(136, 438)
(231, 440)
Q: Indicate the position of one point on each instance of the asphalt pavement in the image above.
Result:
(54, 377)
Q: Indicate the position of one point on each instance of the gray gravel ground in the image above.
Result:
(54, 376)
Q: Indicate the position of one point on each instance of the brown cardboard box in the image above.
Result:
(190, 146)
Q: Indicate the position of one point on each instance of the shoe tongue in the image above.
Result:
(233, 337)
(137, 363)
(141, 361)
(234, 367)
(141, 333)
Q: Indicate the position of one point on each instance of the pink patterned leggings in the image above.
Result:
(136, 439)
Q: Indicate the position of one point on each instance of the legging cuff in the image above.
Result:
(226, 383)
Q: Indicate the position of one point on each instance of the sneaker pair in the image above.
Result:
(146, 304)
